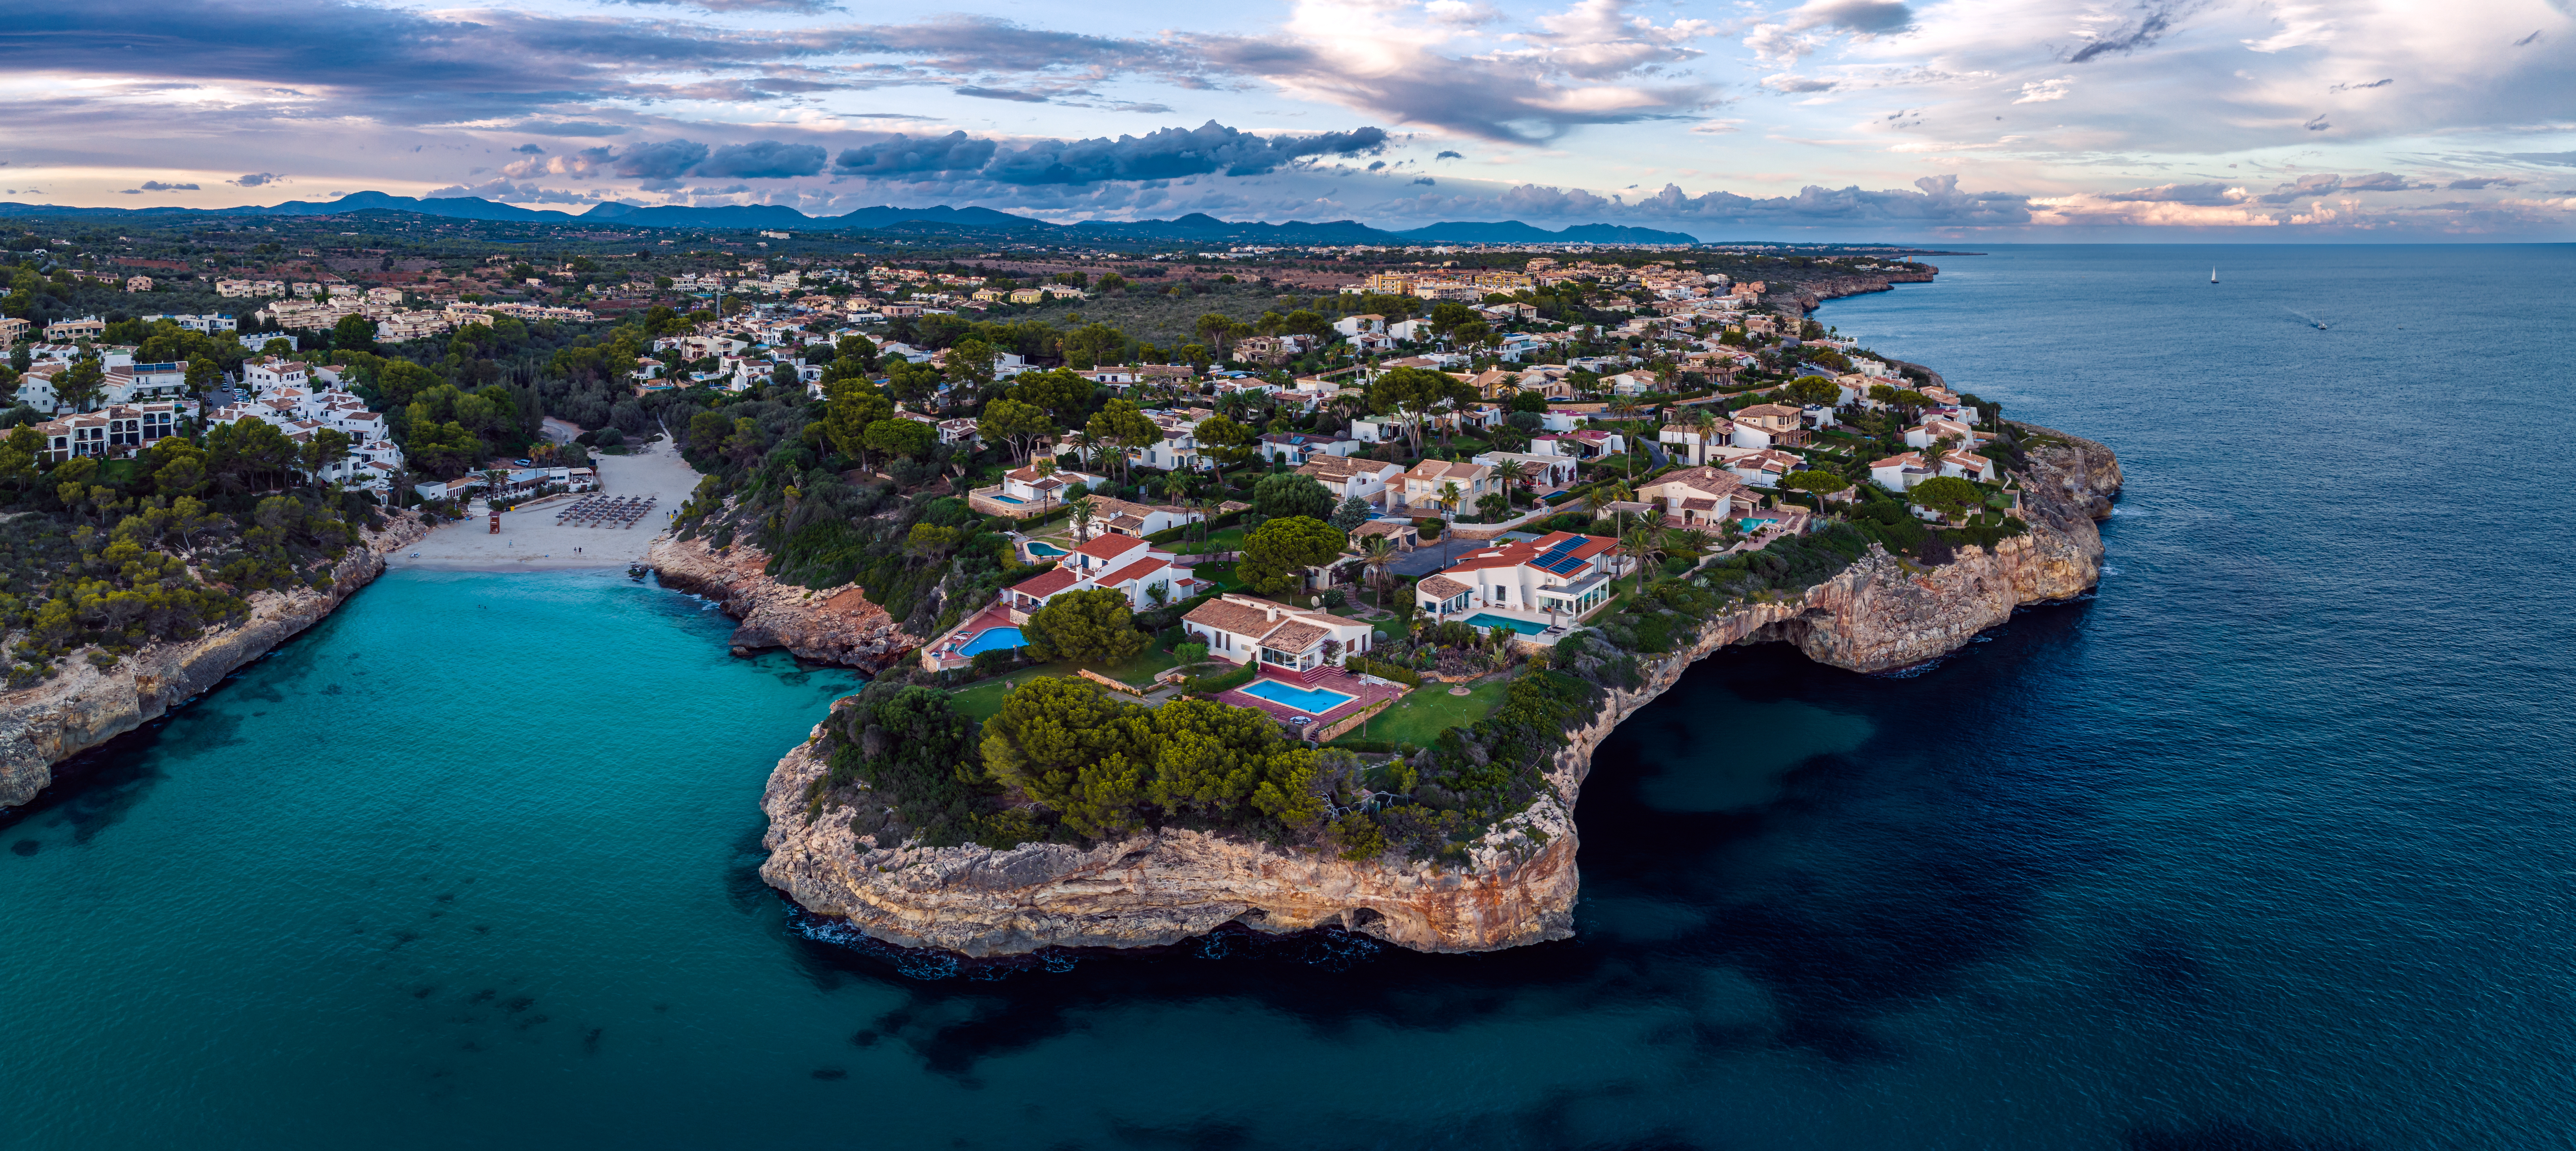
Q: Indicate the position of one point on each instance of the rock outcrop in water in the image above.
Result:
(84, 707)
(828, 625)
(1519, 883)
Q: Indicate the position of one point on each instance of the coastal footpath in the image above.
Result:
(1519, 883)
(827, 625)
(84, 707)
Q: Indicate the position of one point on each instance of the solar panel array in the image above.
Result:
(1557, 561)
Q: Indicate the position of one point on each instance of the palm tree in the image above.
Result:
(1595, 502)
(1513, 473)
(1691, 542)
(1450, 496)
(1081, 519)
(1082, 444)
(1377, 555)
(1642, 545)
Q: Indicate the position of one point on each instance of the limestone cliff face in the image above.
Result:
(1518, 885)
(84, 707)
(829, 625)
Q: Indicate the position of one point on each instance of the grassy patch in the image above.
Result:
(1220, 574)
(1425, 712)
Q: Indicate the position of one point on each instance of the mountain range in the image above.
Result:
(939, 220)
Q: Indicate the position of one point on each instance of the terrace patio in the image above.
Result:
(1362, 691)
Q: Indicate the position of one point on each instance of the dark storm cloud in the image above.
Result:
(1166, 154)
(660, 160)
(762, 160)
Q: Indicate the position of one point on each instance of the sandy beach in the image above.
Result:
(530, 540)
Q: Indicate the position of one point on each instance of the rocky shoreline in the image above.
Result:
(84, 707)
(829, 625)
(1519, 883)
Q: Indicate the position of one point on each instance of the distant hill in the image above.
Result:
(937, 220)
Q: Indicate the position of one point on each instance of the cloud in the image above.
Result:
(1450, 156)
(257, 179)
(2201, 194)
(585, 162)
(1791, 84)
(566, 128)
(660, 160)
(2360, 87)
(1425, 180)
(2323, 183)
(1592, 63)
(1787, 36)
(763, 160)
(1172, 152)
(1000, 94)
(158, 186)
(905, 156)
(1169, 153)
(1717, 127)
(2153, 19)
(800, 7)
(2043, 91)
(529, 150)
(2481, 183)
(2566, 158)
(1934, 201)
(2318, 124)
(2527, 41)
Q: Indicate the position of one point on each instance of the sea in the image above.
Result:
(2264, 845)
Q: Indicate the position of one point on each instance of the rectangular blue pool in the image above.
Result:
(993, 638)
(1484, 620)
(1311, 700)
(1043, 548)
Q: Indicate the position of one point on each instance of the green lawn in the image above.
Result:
(983, 700)
(1220, 574)
(1426, 711)
(1225, 540)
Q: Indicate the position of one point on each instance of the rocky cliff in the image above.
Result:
(84, 707)
(828, 625)
(1519, 884)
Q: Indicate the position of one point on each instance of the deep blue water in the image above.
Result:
(2265, 846)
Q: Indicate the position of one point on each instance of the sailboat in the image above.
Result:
(2213, 273)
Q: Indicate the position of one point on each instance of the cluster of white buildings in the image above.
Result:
(302, 400)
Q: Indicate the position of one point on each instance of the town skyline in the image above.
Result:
(1836, 119)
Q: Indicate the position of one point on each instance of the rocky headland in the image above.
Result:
(1519, 882)
(83, 707)
(835, 625)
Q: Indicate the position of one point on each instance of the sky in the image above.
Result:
(2007, 120)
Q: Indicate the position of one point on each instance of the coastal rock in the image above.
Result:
(84, 707)
(1518, 883)
(834, 625)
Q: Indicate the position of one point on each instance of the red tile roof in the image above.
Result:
(1108, 547)
(1045, 584)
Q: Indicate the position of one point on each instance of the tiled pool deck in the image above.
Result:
(1363, 695)
(943, 656)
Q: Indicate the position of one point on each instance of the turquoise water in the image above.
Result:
(1485, 620)
(2265, 846)
(1043, 548)
(1311, 700)
(993, 639)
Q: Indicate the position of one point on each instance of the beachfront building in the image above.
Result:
(1241, 629)
(1544, 582)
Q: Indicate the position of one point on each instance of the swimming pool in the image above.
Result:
(999, 497)
(993, 638)
(1483, 620)
(1311, 700)
(1043, 548)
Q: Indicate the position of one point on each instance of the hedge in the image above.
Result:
(1400, 675)
(1212, 684)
